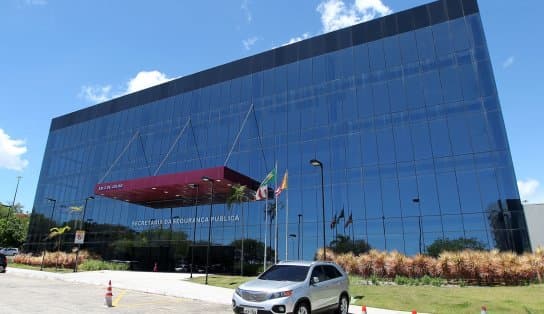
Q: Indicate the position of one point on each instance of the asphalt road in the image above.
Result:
(29, 295)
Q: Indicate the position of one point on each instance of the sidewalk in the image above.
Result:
(170, 284)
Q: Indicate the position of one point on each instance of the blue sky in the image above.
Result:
(60, 56)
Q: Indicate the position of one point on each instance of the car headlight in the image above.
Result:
(281, 294)
(238, 291)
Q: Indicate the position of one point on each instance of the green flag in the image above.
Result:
(269, 177)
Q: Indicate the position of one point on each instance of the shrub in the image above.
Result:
(461, 267)
(94, 264)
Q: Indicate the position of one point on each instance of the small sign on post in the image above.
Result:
(80, 237)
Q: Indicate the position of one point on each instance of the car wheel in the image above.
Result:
(302, 308)
(343, 305)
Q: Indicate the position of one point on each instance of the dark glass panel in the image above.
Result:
(376, 53)
(425, 44)
(421, 141)
(442, 39)
(380, 96)
(433, 88)
(392, 51)
(451, 85)
(440, 138)
(408, 47)
(448, 193)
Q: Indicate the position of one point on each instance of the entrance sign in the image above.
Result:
(80, 237)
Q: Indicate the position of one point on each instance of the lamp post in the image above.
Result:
(415, 200)
(317, 163)
(292, 236)
(14, 196)
(298, 238)
(82, 227)
(209, 180)
(54, 201)
(194, 186)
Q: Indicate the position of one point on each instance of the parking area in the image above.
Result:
(34, 295)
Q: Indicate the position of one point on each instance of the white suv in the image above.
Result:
(9, 251)
(295, 287)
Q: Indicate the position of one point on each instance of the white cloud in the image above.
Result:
(246, 10)
(297, 39)
(95, 94)
(528, 188)
(145, 79)
(508, 62)
(11, 151)
(248, 43)
(335, 14)
(142, 80)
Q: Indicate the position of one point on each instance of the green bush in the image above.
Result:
(93, 264)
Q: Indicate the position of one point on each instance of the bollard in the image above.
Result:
(363, 309)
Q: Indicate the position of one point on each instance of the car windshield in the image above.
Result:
(285, 273)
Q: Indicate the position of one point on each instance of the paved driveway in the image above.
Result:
(34, 295)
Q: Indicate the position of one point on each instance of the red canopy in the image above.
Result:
(178, 189)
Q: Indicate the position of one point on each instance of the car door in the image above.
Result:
(318, 290)
(334, 284)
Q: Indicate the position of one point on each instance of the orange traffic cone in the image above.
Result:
(363, 309)
(414, 312)
(484, 309)
(108, 296)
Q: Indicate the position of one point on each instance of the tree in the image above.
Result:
(343, 244)
(57, 232)
(237, 196)
(455, 245)
(13, 231)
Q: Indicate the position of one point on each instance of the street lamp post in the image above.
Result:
(209, 180)
(317, 163)
(194, 186)
(292, 236)
(54, 201)
(298, 237)
(82, 227)
(415, 200)
(14, 196)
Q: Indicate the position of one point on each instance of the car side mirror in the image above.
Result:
(314, 280)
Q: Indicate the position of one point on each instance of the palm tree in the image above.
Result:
(57, 232)
(238, 196)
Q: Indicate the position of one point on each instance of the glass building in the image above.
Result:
(401, 111)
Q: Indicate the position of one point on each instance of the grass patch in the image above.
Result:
(431, 299)
(230, 282)
(48, 269)
(428, 298)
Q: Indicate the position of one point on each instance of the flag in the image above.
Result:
(341, 214)
(283, 185)
(349, 221)
(262, 193)
(269, 177)
(333, 222)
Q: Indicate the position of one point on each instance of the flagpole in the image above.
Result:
(286, 220)
(276, 216)
(265, 226)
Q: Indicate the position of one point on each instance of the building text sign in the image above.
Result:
(185, 220)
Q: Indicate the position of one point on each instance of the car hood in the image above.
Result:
(269, 285)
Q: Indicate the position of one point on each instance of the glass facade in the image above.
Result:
(402, 111)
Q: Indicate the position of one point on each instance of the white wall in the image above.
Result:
(534, 214)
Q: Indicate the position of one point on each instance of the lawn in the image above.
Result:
(223, 281)
(522, 299)
(49, 269)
